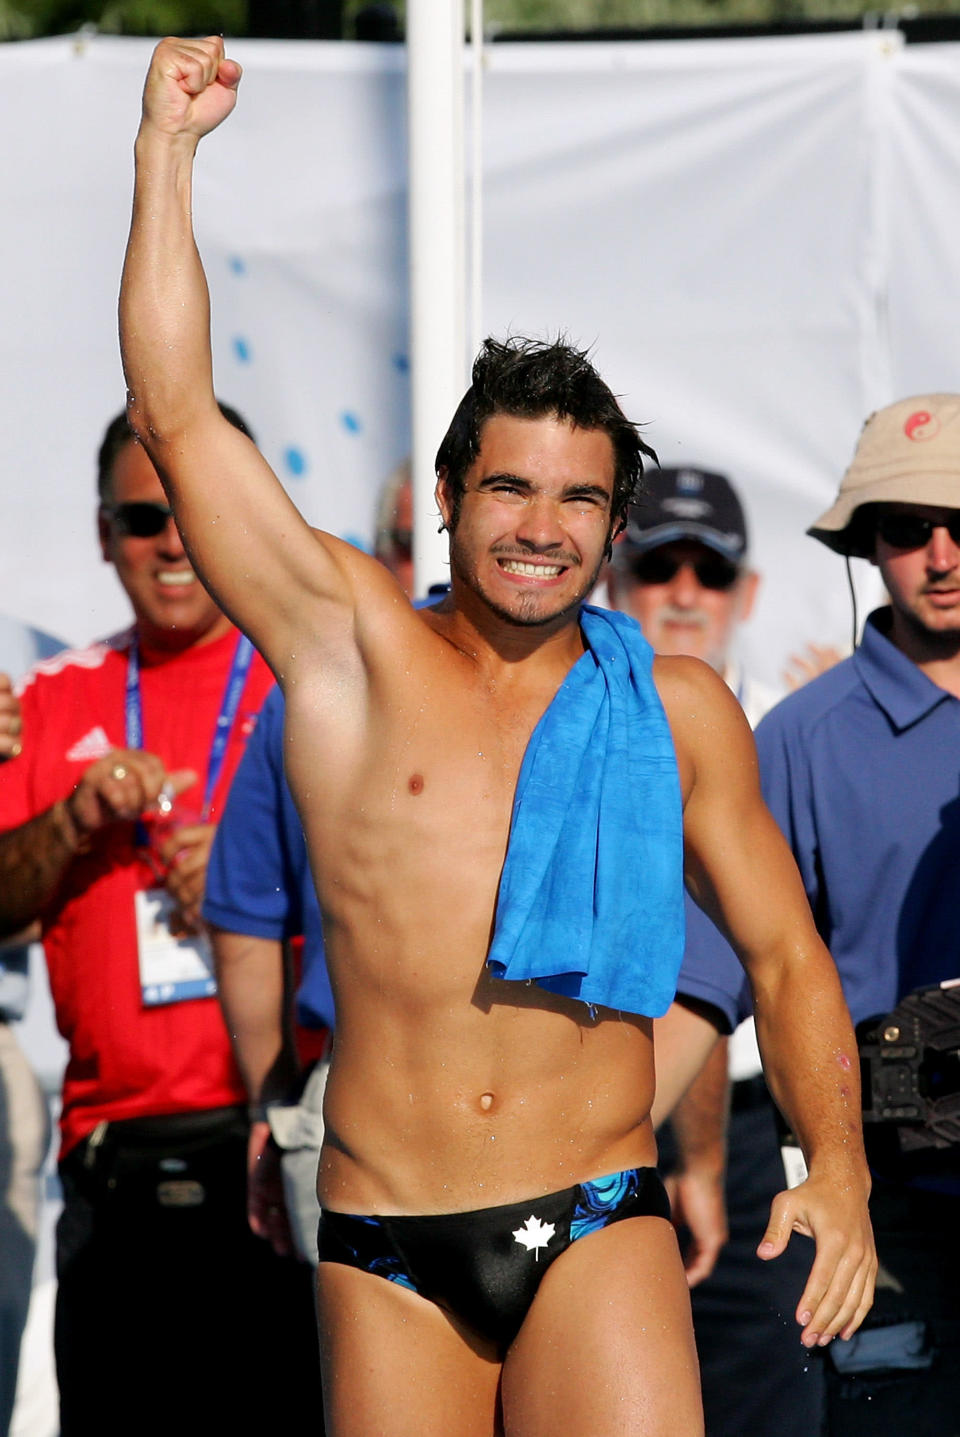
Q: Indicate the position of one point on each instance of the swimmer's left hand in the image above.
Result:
(832, 1209)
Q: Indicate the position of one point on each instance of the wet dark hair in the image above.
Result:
(530, 378)
(118, 435)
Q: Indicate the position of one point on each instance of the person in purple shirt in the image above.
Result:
(861, 768)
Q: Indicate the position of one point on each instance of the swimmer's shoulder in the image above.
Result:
(706, 721)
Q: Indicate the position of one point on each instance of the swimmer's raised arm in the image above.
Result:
(742, 873)
(248, 541)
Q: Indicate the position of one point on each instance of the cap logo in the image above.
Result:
(922, 425)
(689, 481)
(687, 508)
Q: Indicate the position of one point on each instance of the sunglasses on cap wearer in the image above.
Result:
(141, 519)
(712, 571)
(913, 531)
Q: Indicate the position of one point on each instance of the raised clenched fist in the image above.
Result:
(191, 87)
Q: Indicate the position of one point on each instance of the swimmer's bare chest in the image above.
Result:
(406, 805)
(436, 1064)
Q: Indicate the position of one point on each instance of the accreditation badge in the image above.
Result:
(172, 969)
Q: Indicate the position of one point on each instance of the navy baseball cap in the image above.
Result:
(693, 504)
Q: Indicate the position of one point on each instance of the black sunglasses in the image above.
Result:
(712, 571)
(913, 531)
(141, 519)
(402, 539)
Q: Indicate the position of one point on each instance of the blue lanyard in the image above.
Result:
(133, 709)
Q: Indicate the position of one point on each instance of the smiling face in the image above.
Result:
(923, 582)
(533, 521)
(172, 607)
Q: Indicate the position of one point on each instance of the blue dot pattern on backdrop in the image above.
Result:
(358, 543)
(401, 363)
(351, 422)
(237, 265)
(296, 462)
(241, 349)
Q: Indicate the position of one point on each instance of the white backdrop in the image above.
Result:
(757, 236)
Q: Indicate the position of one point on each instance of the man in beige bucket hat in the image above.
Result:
(908, 453)
(860, 768)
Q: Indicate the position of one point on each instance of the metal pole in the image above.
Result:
(476, 175)
(437, 256)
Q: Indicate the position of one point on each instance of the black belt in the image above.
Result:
(172, 1127)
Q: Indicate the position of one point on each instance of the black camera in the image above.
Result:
(910, 1075)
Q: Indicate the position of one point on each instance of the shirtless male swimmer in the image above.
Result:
(453, 1093)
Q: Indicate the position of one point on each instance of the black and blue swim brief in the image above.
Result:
(485, 1266)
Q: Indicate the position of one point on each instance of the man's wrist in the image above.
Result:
(69, 829)
(156, 148)
(847, 1170)
(705, 1169)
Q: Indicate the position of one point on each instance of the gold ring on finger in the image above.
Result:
(118, 772)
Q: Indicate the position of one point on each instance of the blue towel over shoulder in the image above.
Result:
(591, 895)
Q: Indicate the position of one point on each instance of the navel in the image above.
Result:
(415, 783)
(486, 1101)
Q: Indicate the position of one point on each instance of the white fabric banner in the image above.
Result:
(757, 237)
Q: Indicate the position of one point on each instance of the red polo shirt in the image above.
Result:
(126, 1060)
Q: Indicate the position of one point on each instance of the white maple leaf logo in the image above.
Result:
(534, 1235)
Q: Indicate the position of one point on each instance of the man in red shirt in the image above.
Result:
(109, 813)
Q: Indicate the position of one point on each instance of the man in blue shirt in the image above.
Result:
(260, 896)
(860, 768)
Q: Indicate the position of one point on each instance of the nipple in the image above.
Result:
(415, 783)
(486, 1101)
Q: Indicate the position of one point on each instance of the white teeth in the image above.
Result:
(176, 578)
(533, 571)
